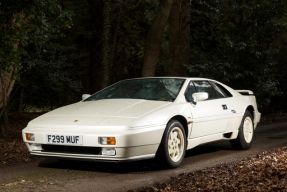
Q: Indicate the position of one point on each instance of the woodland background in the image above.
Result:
(53, 51)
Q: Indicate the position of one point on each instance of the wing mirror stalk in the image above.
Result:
(85, 96)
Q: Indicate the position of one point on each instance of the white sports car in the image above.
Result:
(144, 118)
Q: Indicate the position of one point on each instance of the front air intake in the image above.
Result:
(71, 149)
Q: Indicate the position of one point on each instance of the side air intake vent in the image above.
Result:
(227, 135)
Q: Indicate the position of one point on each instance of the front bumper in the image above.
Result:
(135, 153)
(132, 144)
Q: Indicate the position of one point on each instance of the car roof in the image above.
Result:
(188, 78)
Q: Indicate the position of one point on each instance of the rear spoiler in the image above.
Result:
(245, 92)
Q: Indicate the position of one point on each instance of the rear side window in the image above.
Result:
(222, 92)
(204, 86)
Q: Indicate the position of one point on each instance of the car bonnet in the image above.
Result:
(108, 112)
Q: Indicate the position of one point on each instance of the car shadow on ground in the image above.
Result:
(93, 166)
(209, 148)
(128, 167)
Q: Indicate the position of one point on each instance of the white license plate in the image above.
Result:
(64, 139)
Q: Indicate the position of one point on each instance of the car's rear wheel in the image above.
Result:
(173, 145)
(245, 136)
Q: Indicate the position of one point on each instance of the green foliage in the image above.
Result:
(56, 45)
(14, 28)
(48, 75)
(130, 22)
(32, 39)
(232, 42)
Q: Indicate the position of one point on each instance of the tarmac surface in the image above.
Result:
(53, 175)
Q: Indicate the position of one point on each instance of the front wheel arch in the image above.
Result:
(183, 122)
(172, 148)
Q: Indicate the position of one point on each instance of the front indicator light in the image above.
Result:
(107, 140)
(109, 151)
(30, 136)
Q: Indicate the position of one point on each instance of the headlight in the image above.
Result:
(107, 140)
(30, 136)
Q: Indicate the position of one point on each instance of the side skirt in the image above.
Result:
(193, 142)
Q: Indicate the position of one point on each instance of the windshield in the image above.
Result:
(160, 89)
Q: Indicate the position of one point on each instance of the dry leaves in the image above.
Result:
(266, 172)
(15, 151)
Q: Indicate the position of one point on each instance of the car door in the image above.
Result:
(210, 116)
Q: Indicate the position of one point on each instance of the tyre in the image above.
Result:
(172, 148)
(246, 133)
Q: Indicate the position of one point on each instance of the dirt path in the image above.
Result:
(52, 175)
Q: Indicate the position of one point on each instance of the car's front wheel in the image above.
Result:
(246, 133)
(173, 145)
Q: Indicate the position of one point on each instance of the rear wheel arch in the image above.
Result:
(250, 108)
(245, 135)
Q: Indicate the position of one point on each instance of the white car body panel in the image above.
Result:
(211, 121)
(138, 124)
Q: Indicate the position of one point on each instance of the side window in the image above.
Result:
(204, 86)
(189, 91)
(222, 92)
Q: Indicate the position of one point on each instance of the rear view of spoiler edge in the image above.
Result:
(245, 92)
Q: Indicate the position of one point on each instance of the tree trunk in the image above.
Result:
(20, 107)
(179, 37)
(9, 69)
(7, 81)
(112, 54)
(106, 44)
(154, 37)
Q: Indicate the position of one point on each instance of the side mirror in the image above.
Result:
(201, 96)
(85, 96)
